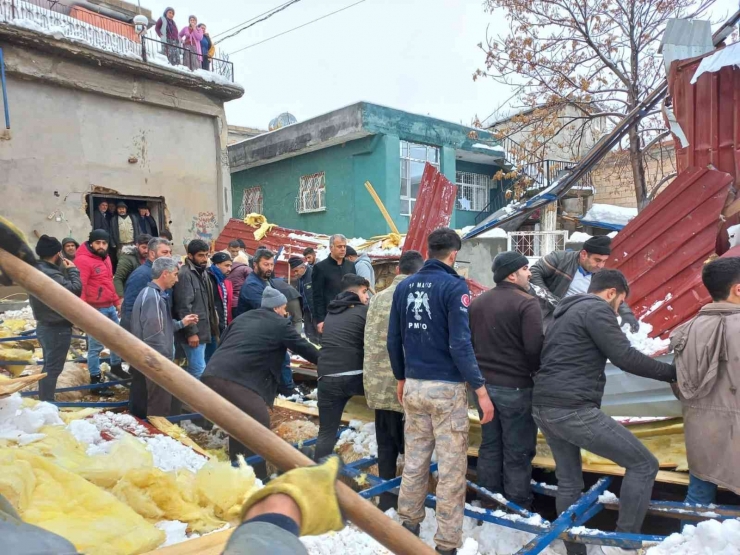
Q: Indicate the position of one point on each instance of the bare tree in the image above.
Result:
(576, 61)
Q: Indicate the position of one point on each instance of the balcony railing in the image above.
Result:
(52, 17)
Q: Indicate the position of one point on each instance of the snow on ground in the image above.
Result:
(21, 424)
(646, 345)
(708, 537)
(610, 214)
(578, 237)
(488, 539)
(362, 436)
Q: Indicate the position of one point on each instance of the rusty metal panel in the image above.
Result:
(433, 208)
(662, 250)
(709, 114)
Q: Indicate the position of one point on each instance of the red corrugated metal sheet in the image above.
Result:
(276, 238)
(709, 115)
(107, 23)
(433, 209)
(662, 250)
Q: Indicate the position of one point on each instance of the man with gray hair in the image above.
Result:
(327, 277)
(151, 321)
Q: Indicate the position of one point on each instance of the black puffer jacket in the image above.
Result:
(343, 341)
(193, 294)
(69, 279)
(326, 279)
(583, 336)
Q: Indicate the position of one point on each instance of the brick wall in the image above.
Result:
(613, 181)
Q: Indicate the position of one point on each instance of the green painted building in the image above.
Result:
(311, 175)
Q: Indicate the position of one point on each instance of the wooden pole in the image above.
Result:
(381, 207)
(203, 399)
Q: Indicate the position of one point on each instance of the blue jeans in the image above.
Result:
(700, 492)
(568, 431)
(210, 349)
(94, 347)
(286, 374)
(508, 445)
(196, 359)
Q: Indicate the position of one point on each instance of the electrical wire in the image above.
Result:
(268, 16)
(249, 20)
(296, 28)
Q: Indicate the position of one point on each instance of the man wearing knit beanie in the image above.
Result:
(246, 367)
(54, 331)
(562, 274)
(506, 327)
(69, 248)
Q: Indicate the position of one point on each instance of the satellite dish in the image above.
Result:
(282, 120)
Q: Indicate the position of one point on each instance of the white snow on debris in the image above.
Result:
(578, 237)
(646, 345)
(21, 424)
(734, 234)
(175, 531)
(496, 148)
(609, 214)
(362, 436)
(608, 497)
(495, 233)
(85, 432)
(729, 56)
(657, 304)
(118, 424)
(216, 78)
(170, 454)
(708, 537)
(54, 31)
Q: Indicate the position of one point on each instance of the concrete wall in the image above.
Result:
(77, 128)
(477, 256)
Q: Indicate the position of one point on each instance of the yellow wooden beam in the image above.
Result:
(381, 207)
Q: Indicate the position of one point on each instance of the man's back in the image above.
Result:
(135, 284)
(342, 344)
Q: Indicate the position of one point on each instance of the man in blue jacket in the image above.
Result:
(432, 358)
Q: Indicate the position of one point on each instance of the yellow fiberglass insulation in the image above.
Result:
(225, 488)
(95, 521)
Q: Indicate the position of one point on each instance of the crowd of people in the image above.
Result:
(532, 353)
(190, 46)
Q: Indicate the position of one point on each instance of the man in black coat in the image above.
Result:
(301, 276)
(327, 278)
(506, 328)
(53, 330)
(567, 398)
(147, 223)
(124, 228)
(246, 367)
(101, 219)
(342, 354)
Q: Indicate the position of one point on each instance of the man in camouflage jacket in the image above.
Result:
(380, 384)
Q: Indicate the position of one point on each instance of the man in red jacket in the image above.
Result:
(96, 274)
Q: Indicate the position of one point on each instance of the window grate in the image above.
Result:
(472, 191)
(311, 194)
(536, 244)
(251, 202)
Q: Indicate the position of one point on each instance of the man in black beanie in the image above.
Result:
(506, 328)
(53, 330)
(562, 274)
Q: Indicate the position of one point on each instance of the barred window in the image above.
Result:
(311, 194)
(251, 202)
(472, 191)
(413, 158)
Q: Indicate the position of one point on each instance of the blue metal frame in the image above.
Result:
(80, 387)
(6, 108)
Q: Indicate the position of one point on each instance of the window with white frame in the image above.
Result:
(311, 193)
(251, 202)
(472, 191)
(413, 158)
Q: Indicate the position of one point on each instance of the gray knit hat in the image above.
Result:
(272, 298)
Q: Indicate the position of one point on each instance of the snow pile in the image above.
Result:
(609, 214)
(54, 31)
(608, 498)
(117, 425)
(734, 234)
(578, 237)
(496, 148)
(21, 424)
(24, 313)
(362, 437)
(170, 454)
(495, 233)
(216, 78)
(657, 304)
(711, 536)
(729, 56)
(86, 432)
(646, 345)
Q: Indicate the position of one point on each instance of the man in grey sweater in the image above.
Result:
(152, 322)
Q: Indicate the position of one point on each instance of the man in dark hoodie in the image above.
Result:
(54, 331)
(567, 399)
(506, 327)
(340, 358)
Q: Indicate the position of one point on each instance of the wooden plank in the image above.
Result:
(665, 476)
(382, 208)
(212, 544)
(9, 387)
(177, 433)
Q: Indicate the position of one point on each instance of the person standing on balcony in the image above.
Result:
(123, 229)
(207, 48)
(191, 37)
(166, 30)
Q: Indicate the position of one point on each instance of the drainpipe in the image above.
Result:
(5, 90)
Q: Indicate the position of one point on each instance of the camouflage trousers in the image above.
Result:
(436, 416)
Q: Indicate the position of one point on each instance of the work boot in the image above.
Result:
(446, 551)
(415, 530)
(118, 371)
(100, 391)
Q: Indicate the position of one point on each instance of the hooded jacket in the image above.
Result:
(326, 279)
(69, 279)
(96, 274)
(237, 277)
(151, 321)
(554, 273)
(127, 263)
(429, 328)
(252, 352)
(707, 356)
(364, 268)
(343, 341)
(583, 336)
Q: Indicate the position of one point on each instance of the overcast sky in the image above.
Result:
(415, 55)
